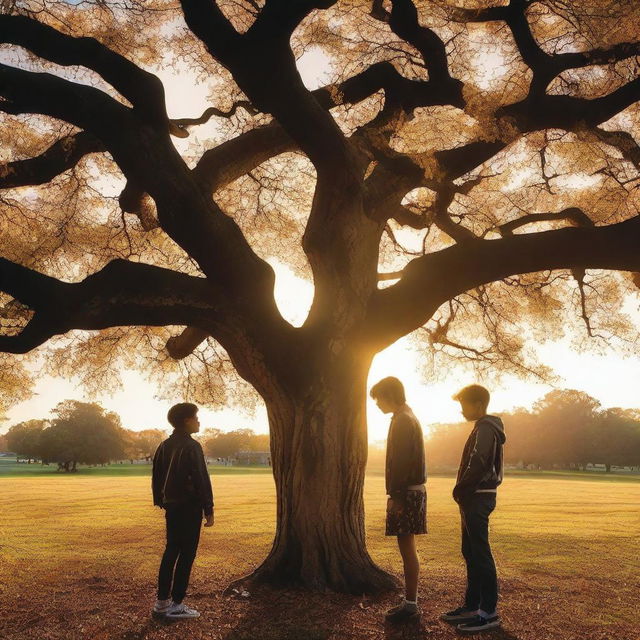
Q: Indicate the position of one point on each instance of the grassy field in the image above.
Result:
(79, 555)
(9, 467)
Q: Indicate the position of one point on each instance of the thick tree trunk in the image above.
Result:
(319, 452)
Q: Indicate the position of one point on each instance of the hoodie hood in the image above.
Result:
(497, 426)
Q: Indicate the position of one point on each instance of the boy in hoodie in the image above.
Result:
(182, 487)
(479, 475)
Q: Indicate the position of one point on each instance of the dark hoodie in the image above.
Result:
(481, 466)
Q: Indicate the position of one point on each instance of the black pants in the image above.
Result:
(183, 534)
(482, 581)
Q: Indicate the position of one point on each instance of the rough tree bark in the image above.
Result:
(319, 451)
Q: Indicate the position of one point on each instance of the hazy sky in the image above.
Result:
(610, 379)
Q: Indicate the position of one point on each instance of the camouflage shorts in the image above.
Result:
(407, 514)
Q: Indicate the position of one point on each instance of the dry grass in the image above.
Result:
(78, 559)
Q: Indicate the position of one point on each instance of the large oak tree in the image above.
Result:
(499, 134)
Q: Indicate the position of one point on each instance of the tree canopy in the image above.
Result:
(143, 444)
(82, 432)
(470, 120)
(24, 438)
(79, 433)
(225, 444)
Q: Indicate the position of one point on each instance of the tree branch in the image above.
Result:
(404, 23)
(545, 66)
(181, 346)
(84, 106)
(264, 67)
(191, 219)
(143, 89)
(599, 56)
(454, 163)
(408, 218)
(181, 123)
(561, 112)
(573, 214)
(623, 141)
(61, 156)
(234, 158)
(391, 275)
(398, 90)
(135, 200)
(431, 280)
(122, 293)
(279, 18)
(460, 14)
(442, 219)
(569, 113)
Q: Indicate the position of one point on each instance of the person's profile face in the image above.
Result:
(472, 410)
(385, 405)
(193, 424)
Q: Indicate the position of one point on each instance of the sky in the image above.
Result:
(613, 380)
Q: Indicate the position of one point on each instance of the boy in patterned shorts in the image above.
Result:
(405, 476)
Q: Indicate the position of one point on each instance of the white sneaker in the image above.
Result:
(180, 612)
(161, 606)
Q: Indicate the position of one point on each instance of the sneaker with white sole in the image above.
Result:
(180, 612)
(479, 624)
(403, 612)
(459, 615)
(161, 606)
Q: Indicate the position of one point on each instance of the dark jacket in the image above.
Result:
(482, 463)
(405, 464)
(180, 473)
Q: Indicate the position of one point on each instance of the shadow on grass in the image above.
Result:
(298, 615)
(287, 615)
(411, 630)
(423, 629)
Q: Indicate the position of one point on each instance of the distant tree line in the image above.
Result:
(227, 444)
(85, 433)
(566, 429)
(78, 433)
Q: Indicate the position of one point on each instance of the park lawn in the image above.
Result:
(9, 467)
(79, 555)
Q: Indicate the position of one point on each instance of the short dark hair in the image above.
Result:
(389, 388)
(181, 412)
(473, 393)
